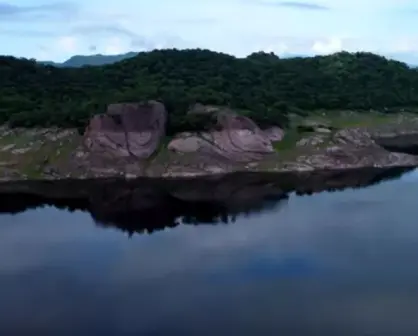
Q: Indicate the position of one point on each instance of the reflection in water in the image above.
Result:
(147, 207)
(338, 263)
(166, 212)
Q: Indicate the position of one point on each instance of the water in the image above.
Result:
(334, 263)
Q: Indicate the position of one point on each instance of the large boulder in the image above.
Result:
(274, 133)
(127, 130)
(236, 138)
(317, 126)
(200, 109)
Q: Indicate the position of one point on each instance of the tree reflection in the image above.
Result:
(146, 207)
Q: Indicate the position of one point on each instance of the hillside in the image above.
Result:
(78, 61)
(261, 86)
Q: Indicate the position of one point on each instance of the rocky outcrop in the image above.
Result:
(314, 126)
(120, 142)
(201, 109)
(274, 133)
(235, 138)
(355, 148)
(312, 140)
(127, 130)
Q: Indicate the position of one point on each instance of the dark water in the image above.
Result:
(340, 263)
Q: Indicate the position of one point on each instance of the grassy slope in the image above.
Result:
(27, 152)
(339, 120)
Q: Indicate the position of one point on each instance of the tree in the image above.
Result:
(261, 86)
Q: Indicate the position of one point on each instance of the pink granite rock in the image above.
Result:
(127, 130)
(235, 138)
(274, 133)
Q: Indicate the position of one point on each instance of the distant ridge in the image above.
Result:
(78, 61)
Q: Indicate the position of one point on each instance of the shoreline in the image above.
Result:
(56, 154)
(124, 203)
(187, 176)
(287, 180)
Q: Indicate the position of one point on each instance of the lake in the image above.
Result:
(330, 263)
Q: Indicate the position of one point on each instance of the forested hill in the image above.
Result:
(262, 86)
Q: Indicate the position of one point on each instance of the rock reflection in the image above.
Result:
(147, 205)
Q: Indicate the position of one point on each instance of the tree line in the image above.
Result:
(261, 86)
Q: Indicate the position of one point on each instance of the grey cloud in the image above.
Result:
(103, 29)
(161, 41)
(136, 40)
(297, 5)
(28, 33)
(142, 43)
(59, 9)
(196, 21)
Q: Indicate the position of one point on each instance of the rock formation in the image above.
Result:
(274, 133)
(120, 143)
(354, 148)
(309, 125)
(235, 138)
(127, 130)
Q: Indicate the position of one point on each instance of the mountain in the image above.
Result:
(262, 86)
(94, 60)
(78, 61)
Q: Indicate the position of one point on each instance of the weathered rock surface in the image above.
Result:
(205, 109)
(127, 130)
(312, 140)
(235, 138)
(356, 148)
(274, 133)
(120, 143)
(314, 126)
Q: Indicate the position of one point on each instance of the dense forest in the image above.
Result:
(262, 86)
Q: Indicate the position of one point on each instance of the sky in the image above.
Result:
(53, 30)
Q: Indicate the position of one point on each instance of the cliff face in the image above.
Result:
(234, 138)
(135, 130)
(127, 130)
(130, 141)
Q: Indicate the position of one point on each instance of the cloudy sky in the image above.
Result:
(53, 30)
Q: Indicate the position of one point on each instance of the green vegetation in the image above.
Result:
(292, 136)
(261, 86)
(30, 151)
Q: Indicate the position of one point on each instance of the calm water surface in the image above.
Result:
(340, 263)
